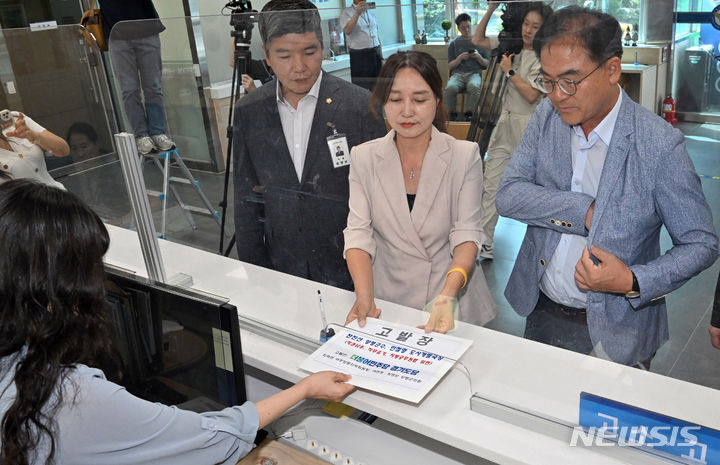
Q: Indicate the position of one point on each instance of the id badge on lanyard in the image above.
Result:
(339, 150)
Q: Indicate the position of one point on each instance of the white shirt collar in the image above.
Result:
(314, 90)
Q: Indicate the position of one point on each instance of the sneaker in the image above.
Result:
(468, 115)
(486, 251)
(145, 145)
(163, 142)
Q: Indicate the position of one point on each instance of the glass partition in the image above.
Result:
(696, 81)
(171, 80)
(62, 83)
(290, 217)
(302, 223)
(57, 78)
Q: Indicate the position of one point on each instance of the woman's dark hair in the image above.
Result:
(599, 33)
(51, 306)
(543, 9)
(82, 128)
(426, 66)
(513, 17)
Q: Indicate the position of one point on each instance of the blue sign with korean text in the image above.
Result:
(610, 423)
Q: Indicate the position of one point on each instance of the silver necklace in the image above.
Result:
(412, 173)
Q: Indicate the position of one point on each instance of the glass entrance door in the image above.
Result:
(696, 72)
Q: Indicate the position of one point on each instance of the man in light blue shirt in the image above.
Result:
(595, 178)
(588, 159)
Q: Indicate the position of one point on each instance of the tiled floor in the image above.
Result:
(688, 355)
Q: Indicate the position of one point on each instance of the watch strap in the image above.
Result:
(635, 292)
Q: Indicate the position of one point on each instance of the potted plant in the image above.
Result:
(446, 25)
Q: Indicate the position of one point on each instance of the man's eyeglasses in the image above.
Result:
(566, 85)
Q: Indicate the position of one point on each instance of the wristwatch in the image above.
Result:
(510, 73)
(635, 292)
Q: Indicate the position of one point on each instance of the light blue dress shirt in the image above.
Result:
(588, 159)
(100, 422)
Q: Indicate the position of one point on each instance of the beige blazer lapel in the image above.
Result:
(390, 175)
(432, 174)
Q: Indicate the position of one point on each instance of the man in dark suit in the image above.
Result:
(282, 152)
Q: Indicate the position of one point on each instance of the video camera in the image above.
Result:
(510, 37)
(242, 19)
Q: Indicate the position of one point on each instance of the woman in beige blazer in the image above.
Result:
(413, 229)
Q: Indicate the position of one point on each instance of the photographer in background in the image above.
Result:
(135, 56)
(521, 97)
(360, 26)
(466, 65)
(22, 144)
(259, 70)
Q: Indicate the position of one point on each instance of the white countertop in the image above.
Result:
(522, 373)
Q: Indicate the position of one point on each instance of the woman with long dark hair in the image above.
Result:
(413, 229)
(55, 402)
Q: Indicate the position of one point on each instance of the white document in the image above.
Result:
(396, 360)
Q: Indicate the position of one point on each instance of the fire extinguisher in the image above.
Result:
(669, 110)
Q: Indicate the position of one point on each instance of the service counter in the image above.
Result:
(531, 377)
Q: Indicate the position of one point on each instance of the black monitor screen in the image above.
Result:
(178, 347)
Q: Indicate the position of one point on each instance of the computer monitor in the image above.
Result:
(178, 346)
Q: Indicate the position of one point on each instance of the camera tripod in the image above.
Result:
(489, 106)
(242, 19)
(490, 102)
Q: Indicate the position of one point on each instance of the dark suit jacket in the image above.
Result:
(297, 227)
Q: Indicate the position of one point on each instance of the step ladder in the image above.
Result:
(164, 161)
